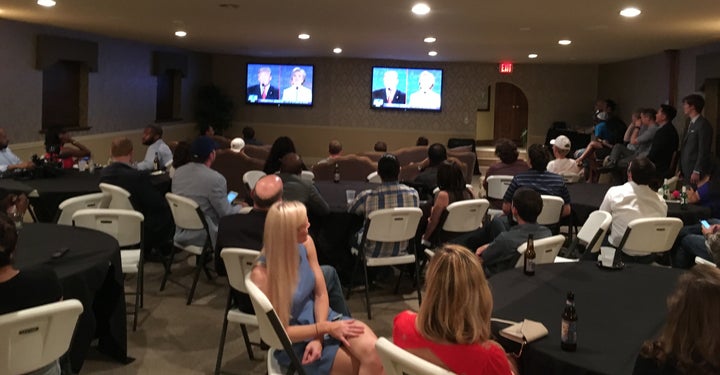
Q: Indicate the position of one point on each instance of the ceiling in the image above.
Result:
(466, 30)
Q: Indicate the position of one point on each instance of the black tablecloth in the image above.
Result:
(586, 198)
(90, 272)
(617, 312)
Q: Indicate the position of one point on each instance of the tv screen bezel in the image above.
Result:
(407, 94)
(280, 89)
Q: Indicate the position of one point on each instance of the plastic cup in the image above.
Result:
(350, 195)
(607, 255)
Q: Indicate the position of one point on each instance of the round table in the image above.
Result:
(617, 312)
(90, 272)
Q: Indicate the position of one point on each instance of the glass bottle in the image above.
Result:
(529, 266)
(683, 198)
(665, 190)
(336, 174)
(568, 330)
(156, 163)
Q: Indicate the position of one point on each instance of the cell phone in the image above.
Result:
(705, 224)
(60, 253)
(231, 196)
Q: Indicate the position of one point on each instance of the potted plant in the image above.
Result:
(213, 108)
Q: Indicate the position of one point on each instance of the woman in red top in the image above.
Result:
(452, 329)
(56, 150)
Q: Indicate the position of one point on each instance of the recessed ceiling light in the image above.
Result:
(430, 39)
(630, 12)
(533, 56)
(304, 36)
(181, 34)
(432, 53)
(46, 3)
(564, 42)
(421, 9)
(337, 50)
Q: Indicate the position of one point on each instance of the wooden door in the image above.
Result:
(511, 112)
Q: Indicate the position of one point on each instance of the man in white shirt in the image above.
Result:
(152, 137)
(633, 200)
(8, 160)
(562, 164)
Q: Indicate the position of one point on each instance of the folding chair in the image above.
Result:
(592, 233)
(706, 262)
(120, 198)
(497, 186)
(646, 236)
(69, 206)
(272, 330)
(464, 216)
(239, 263)
(397, 361)
(33, 338)
(389, 225)
(551, 211)
(546, 249)
(126, 227)
(250, 178)
(374, 178)
(188, 215)
(307, 176)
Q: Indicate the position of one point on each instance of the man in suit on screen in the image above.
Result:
(390, 94)
(264, 90)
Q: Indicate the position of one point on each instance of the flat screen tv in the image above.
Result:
(406, 88)
(279, 84)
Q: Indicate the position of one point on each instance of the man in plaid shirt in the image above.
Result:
(389, 194)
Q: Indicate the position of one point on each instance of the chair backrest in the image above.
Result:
(393, 224)
(120, 198)
(546, 249)
(397, 361)
(497, 185)
(257, 152)
(351, 168)
(238, 263)
(186, 212)
(570, 177)
(465, 216)
(272, 331)
(467, 161)
(307, 176)
(650, 235)
(124, 225)
(35, 337)
(374, 178)
(233, 166)
(250, 178)
(706, 262)
(552, 208)
(69, 206)
(594, 230)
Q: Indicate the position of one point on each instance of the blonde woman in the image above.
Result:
(452, 329)
(289, 274)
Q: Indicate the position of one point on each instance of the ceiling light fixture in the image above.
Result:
(421, 9)
(564, 42)
(337, 50)
(46, 3)
(181, 34)
(432, 53)
(304, 36)
(430, 39)
(533, 56)
(630, 12)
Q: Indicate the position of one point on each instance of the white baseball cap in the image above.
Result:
(561, 142)
(237, 144)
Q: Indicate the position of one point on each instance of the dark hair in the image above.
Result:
(649, 112)
(204, 128)
(539, 157)
(388, 168)
(422, 141)
(248, 133)
(642, 170)
(669, 111)
(52, 140)
(437, 153)
(291, 163)
(610, 105)
(380, 146)
(696, 101)
(528, 204)
(8, 239)
(450, 179)
(156, 129)
(281, 147)
(182, 154)
(506, 150)
(335, 147)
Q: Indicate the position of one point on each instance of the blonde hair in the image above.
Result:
(457, 303)
(280, 241)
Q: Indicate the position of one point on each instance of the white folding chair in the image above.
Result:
(239, 263)
(69, 206)
(570, 178)
(465, 216)
(546, 249)
(706, 262)
(120, 198)
(593, 232)
(389, 225)
(552, 208)
(33, 338)
(468, 187)
(250, 178)
(397, 361)
(429, 254)
(307, 176)
(272, 330)
(649, 235)
(374, 178)
(497, 186)
(126, 227)
(188, 215)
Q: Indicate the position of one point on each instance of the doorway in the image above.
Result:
(511, 112)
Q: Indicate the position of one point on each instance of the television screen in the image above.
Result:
(279, 84)
(406, 88)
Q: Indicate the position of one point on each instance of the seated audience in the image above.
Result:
(249, 136)
(207, 130)
(152, 137)
(697, 241)
(56, 147)
(452, 328)
(422, 141)
(509, 164)
(437, 154)
(708, 190)
(562, 164)
(451, 183)
(297, 189)
(641, 139)
(688, 342)
(380, 146)
(23, 289)
(289, 274)
(8, 160)
(389, 194)
(334, 151)
(281, 147)
(182, 155)
(665, 143)
(608, 132)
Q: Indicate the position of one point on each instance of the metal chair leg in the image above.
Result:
(223, 333)
(198, 268)
(167, 270)
(367, 292)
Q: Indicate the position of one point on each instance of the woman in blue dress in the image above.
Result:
(289, 274)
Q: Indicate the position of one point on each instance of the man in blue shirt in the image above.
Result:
(152, 137)
(8, 160)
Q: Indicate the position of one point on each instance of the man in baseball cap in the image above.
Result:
(562, 164)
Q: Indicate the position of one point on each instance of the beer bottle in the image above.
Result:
(529, 268)
(568, 330)
(683, 198)
(665, 190)
(156, 163)
(336, 174)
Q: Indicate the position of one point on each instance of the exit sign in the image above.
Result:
(506, 67)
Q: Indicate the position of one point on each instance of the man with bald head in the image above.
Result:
(297, 189)
(8, 160)
(245, 230)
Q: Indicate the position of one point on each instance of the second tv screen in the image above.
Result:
(406, 88)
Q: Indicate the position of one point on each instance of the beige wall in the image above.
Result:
(637, 83)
